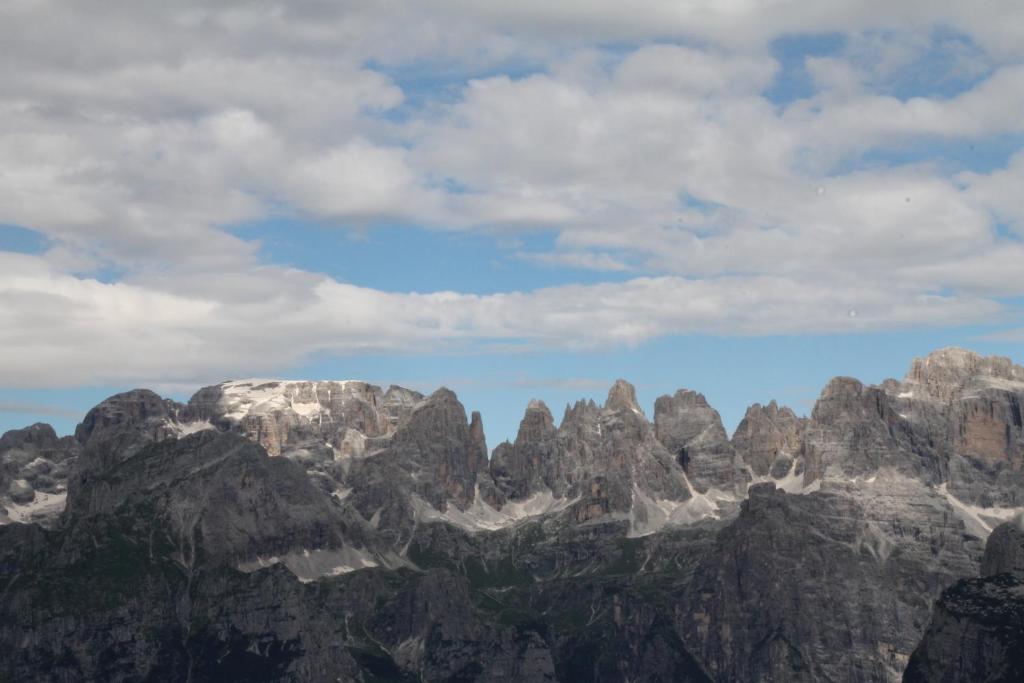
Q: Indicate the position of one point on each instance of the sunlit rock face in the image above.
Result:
(768, 435)
(603, 461)
(951, 373)
(854, 430)
(344, 418)
(954, 420)
(691, 429)
(982, 436)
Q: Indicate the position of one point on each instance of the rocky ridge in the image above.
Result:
(663, 536)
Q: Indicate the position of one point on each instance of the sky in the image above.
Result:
(514, 199)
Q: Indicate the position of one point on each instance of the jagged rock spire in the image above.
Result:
(622, 396)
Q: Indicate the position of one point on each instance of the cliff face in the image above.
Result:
(977, 626)
(322, 419)
(603, 462)
(688, 427)
(828, 586)
(769, 438)
(270, 530)
(980, 431)
(34, 469)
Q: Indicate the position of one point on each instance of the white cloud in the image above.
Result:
(357, 181)
(59, 329)
(130, 136)
(1000, 191)
(576, 259)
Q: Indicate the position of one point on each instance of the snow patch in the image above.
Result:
(44, 507)
(243, 397)
(482, 517)
(353, 445)
(874, 542)
(980, 521)
(663, 512)
(308, 410)
(310, 565)
(1003, 383)
(905, 394)
(185, 428)
(791, 483)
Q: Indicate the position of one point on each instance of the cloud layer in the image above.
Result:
(652, 140)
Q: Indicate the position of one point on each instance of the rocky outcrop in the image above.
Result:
(219, 499)
(767, 435)
(1004, 550)
(534, 461)
(606, 460)
(950, 373)
(692, 430)
(954, 420)
(433, 466)
(442, 452)
(855, 430)
(116, 430)
(34, 469)
(981, 429)
(975, 634)
(125, 423)
(977, 626)
(871, 559)
(323, 420)
(611, 453)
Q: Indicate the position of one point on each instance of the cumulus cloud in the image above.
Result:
(134, 135)
(59, 329)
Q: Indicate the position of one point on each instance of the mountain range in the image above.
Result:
(274, 530)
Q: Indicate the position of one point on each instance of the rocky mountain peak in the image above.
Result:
(38, 435)
(946, 373)
(136, 408)
(580, 413)
(692, 430)
(537, 423)
(443, 449)
(846, 399)
(34, 467)
(621, 397)
(443, 394)
(124, 423)
(323, 418)
(476, 435)
(766, 434)
(896, 496)
(842, 387)
(537, 404)
(532, 463)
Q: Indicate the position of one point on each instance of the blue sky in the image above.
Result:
(512, 201)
